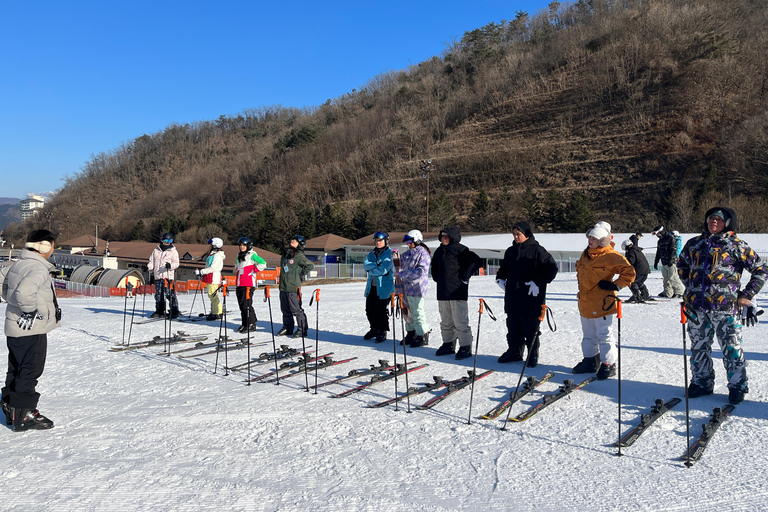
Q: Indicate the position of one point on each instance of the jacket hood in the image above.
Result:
(453, 232)
(731, 224)
(525, 228)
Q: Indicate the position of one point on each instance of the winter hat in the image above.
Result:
(657, 230)
(722, 214)
(601, 231)
(625, 244)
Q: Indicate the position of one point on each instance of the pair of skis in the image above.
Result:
(179, 337)
(438, 383)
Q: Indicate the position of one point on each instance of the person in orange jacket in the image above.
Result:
(595, 272)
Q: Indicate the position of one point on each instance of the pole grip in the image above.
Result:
(266, 290)
(683, 317)
(392, 300)
(400, 300)
(618, 308)
(482, 302)
(317, 295)
(543, 312)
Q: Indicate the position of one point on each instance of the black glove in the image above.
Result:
(608, 286)
(152, 279)
(655, 266)
(27, 320)
(752, 312)
(168, 266)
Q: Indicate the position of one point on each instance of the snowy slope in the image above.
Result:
(139, 431)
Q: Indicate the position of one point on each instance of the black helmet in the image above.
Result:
(247, 242)
(381, 235)
(302, 241)
(167, 238)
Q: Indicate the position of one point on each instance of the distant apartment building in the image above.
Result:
(30, 205)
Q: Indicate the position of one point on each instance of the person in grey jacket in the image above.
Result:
(31, 313)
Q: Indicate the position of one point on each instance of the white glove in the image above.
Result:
(197, 271)
(532, 288)
(502, 284)
(750, 313)
(27, 320)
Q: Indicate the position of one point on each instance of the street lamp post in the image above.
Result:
(427, 167)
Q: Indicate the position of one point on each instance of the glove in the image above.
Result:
(750, 313)
(152, 279)
(197, 271)
(656, 266)
(168, 266)
(502, 284)
(532, 289)
(608, 286)
(27, 320)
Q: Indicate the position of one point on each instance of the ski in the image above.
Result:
(437, 383)
(530, 384)
(221, 347)
(658, 409)
(383, 366)
(303, 360)
(719, 414)
(566, 389)
(453, 388)
(399, 370)
(325, 362)
(203, 346)
(267, 357)
(180, 337)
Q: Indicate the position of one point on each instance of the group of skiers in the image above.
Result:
(709, 269)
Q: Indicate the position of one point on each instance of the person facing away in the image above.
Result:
(524, 273)
(452, 266)
(414, 274)
(711, 266)
(31, 313)
(211, 276)
(294, 266)
(595, 272)
(666, 253)
(163, 262)
(379, 287)
(637, 259)
(247, 265)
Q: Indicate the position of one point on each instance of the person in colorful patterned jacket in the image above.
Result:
(710, 266)
(294, 267)
(247, 265)
(414, 274)
(595, 272)
(162, 264)
(380, 286)
(214, 263)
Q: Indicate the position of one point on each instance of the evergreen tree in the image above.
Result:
(361, 224)
(333, 220)
(139, 231)
(578, 215)
(480, 217)
(532, 209)
(307, 222)
(504, 213)
(554, 213)
(441, 213)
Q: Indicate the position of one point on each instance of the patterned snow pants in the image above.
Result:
(727, 327)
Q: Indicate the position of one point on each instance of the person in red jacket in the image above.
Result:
(247, 265)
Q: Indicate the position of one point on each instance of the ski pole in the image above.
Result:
(268, 300)
(405, 355)
(133, 313)
(477, 346)
(525, 365)
(316, 297)
(194, 297)
(125, 313)
(303, 344)
(683, 321)
(618, 364)
(249, 303)
(394, 340)
(167, 316)
(222, 324)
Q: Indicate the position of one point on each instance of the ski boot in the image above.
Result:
(26, 419)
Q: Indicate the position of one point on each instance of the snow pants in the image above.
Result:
(521, 332)
(165, 289)
(727, 328)
(245, 302)
(290, 306)
(418, 315)
(212, 290)
(454, 322)
(672, 283)
(597, 338)
(26, 362)
(376, 311)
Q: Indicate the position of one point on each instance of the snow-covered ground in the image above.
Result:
(139, 431)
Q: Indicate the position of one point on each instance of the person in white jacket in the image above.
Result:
(162, 264)
(32, 312)
(214, 263)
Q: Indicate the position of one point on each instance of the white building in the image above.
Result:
(30, 205)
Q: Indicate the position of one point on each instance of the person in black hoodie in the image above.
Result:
(452, 266)
(524, 273)
(634, 254)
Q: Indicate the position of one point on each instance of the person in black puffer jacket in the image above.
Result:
(637, 259)
(452, 266)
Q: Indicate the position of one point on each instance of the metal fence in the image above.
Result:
(86, 290)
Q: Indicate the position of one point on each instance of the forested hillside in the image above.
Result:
(637, 112)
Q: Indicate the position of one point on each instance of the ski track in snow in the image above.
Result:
(139, 431)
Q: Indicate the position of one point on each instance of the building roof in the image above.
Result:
(327, 243)
(395, 237)
(83, 241)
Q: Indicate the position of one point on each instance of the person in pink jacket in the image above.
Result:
(247, 265)
(162, 264)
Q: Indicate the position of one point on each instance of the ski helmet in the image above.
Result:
(414, 236)
(381, 235)
(247, 242)
(625, 244)
(167, 238)
(302, 241)
(216, 243)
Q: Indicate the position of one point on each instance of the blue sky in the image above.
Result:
(79, 78)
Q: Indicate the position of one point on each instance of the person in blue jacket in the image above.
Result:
(379, 288)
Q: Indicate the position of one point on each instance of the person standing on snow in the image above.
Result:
(214, 263)
(595, 270)
(247, 265)
(31, 313)
(637, 259)
(414, 273)
(524, 273)
(162, 263)
(711, 265)
(294, 266)
(452, 266)
(666, 252)
(379, 288)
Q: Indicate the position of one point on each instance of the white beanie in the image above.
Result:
(601, 231)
